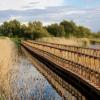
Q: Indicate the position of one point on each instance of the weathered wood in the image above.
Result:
(83, 65)
(89, 51)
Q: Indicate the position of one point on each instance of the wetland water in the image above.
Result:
(23, 77)
(95, 46)
(27, 83)
(35, 81)
(32, 80)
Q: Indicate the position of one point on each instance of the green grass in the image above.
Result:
(17, 41)
(2, 37)
(2, 98)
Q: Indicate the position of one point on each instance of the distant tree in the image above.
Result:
(37, 30)
(11, 28)
(4, 29)
(24, 32)
(14, 27)
(96, 35)
(69, 27)
(83, 32)
(56, 30)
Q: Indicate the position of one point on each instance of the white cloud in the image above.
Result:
(76, 12)
(84, 16)
(14, 17)
(19, 4)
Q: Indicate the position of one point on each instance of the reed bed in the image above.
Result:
(8, 54)
(19, 79)
(82, 42)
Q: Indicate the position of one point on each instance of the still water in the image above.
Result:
(30, 84)
(32, 80)
(95, 46)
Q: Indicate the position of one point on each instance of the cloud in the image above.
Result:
(31, 3)
(14, 17)
(89, 17)
(20, 4)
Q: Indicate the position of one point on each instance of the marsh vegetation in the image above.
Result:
(20, 79)
(34, 30)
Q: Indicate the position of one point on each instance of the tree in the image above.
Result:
(37, 30)
(56, 30)
(4, 29)
(83, 32)
(96, 35)
(11, 28)
(69, 27)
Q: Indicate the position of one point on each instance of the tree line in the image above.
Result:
(34, 30)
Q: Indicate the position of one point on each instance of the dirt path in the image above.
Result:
(8, 52)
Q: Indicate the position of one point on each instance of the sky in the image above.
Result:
(82, 12)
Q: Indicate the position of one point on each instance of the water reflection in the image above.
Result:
(95, 46)
(28, 84)
(65, 90)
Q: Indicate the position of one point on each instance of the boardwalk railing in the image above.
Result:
(60, 85)
(87, 51)
(84, 65)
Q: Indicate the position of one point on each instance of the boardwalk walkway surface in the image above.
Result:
(82, 62)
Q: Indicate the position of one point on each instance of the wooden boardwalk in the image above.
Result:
(82, 62)
(58, 83)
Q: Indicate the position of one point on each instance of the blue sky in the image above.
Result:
(83, 3)
(83, 12)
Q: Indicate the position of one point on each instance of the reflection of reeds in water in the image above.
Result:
(67, 91)
(31, 85)
(19, 80)
(26, 81)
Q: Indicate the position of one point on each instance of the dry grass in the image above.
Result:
(19, 79)
(7, 58)
(65, 41)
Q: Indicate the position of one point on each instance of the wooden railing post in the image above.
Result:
(82, 61)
